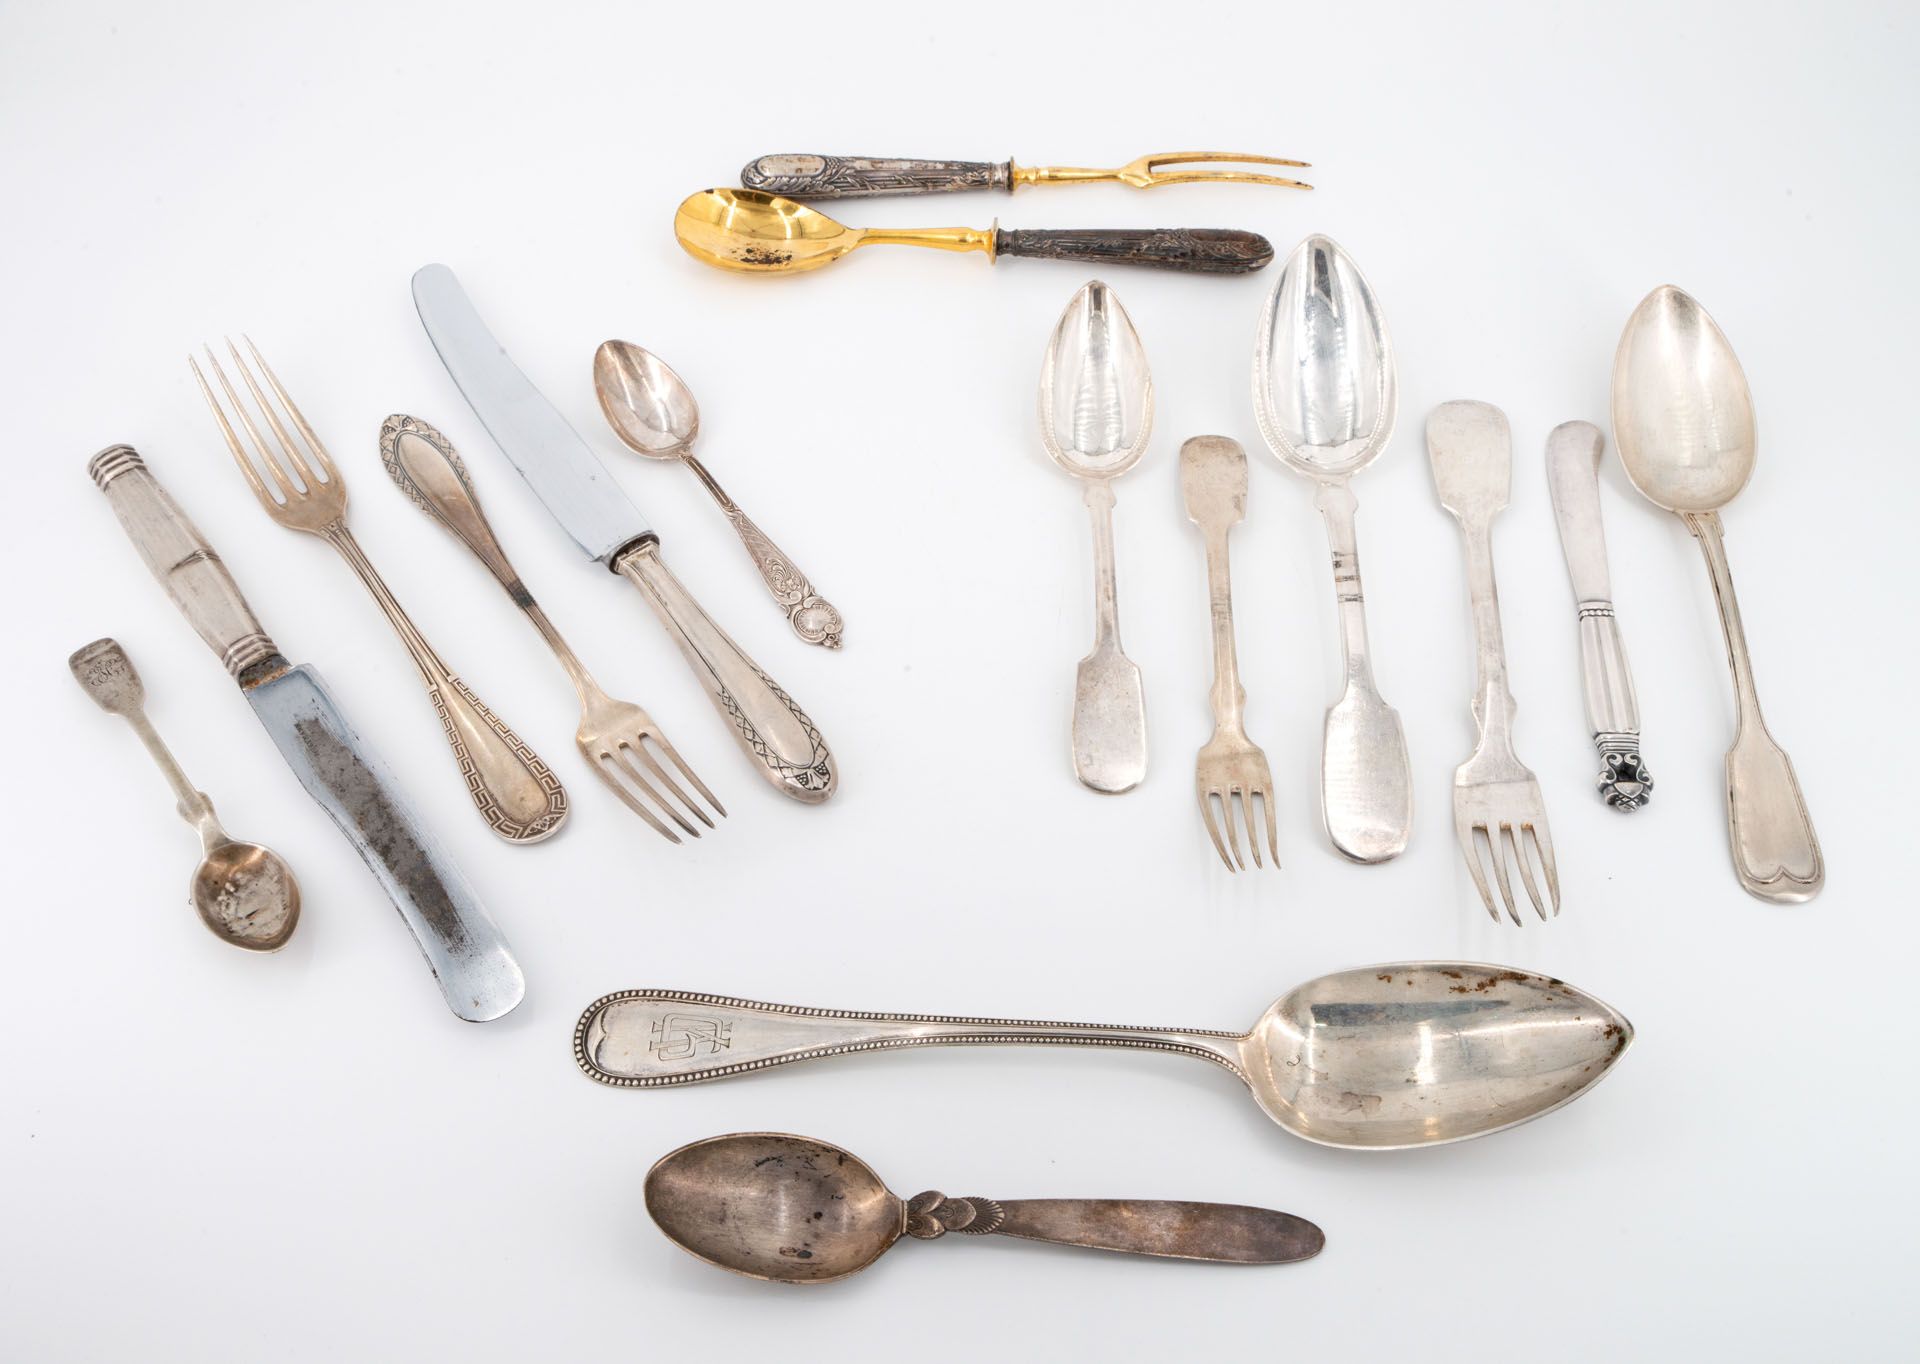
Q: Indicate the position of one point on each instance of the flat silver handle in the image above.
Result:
(780, 739)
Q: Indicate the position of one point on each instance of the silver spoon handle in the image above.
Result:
(649, 1038)
(1775, 851)
(811, 615)
(1222, 1233)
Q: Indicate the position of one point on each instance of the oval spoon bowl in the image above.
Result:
(1683, 417)
(757, 233)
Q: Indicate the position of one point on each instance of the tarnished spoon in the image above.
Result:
(1683, 422)
(793, 1210)
(1096, 410)
(653, 412)
(1325, 397)
(1379, 1058)
(244, 892)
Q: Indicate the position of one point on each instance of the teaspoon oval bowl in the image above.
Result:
(1682, 413)
(648, 404)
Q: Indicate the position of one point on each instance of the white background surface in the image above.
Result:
(210, 1156)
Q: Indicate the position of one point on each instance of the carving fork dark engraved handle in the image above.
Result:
(1201, 250)
(806, 176)
(1222, 1233)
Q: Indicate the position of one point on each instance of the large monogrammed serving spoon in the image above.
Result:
(1379, 1058)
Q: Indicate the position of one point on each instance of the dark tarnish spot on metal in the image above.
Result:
(796, 1252)
(1386, 976)
(1453, 975)
(762, 255)
(1358, 1103)
(1489, 982)
(384, 827)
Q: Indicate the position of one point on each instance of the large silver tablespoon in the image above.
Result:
(1324, 393)
(1384, 1057)
(652, 410)
(243, 891)
(794, 1210)
(1683, 423)
(1096, 410)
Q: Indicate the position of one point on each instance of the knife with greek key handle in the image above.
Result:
(1613, 713)
(808, 176)
(777, 736)
(469, 958)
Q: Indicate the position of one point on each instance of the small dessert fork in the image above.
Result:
(613, 735)
(514, 791)
(1497, 803)
(1231, 771)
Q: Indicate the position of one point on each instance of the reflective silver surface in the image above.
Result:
(1096, 410)
(1499, 815)
(1683, 419)
(1378, 1058)
(1325, 397)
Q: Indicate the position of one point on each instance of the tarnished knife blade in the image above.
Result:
(465, 951)
(550, 455)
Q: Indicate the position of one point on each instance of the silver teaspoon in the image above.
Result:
(1325, 397)
(243, 891)
(790, 1209)
(1096, 410)
(1376, 1059)
(1683, 421)
(653, 412)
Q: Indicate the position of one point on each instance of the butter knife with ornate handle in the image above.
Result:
(777, 736)
(1613, 714)
(469, 958)
(803, 175)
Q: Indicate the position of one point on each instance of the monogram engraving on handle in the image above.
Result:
(682, 1037)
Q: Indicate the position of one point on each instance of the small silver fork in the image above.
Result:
(1231, 773)
(1499, 814)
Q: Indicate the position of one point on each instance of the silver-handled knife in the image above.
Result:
(1613, 714)
(781, 741)
(475, 969)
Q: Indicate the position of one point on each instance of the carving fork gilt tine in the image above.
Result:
(1150, 170)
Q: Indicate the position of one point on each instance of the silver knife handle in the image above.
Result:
(805, 176)
(775, 733)
(1613, 715)
(182, 560)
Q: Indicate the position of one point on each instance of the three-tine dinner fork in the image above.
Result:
(615, 736)
(514, 791)
(1499, 814)
(1231, 772)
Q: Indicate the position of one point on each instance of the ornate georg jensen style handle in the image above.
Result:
(811, 615)
(779, 737)
(1201, 250)
(1221, 1233)
(183, 561)
(805, 176)
(645, 1039)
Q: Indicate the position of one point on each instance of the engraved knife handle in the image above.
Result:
(182, 560)
(804, 176)
(1201, 250)
(1613, 715)
(1220, 1233)
(643, 1039)
(782, 742)
(812, 616)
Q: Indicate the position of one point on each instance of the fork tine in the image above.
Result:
(1233, 838)
(1496, 835)
(1543, 848)
(1213, 828)
(320, 454)
(287, 446)
(1273, 837)
(687, 772)
(622, 752)
(1253, 836)
(639, 750)
(609, 775)
(254, 480)
(1155, 160)
(1469, 834)
(1519, 839)
(287, 490)
(1153, 172)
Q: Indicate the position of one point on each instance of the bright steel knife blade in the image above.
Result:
(469, 958)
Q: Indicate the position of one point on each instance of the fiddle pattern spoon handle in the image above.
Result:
(812, 616)
(1775, 851)
(1220, 1233)
(649, 1038)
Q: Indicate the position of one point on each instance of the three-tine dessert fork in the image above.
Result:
(514, 791)
(1231, 772)
(615, 736)
(1498, 811)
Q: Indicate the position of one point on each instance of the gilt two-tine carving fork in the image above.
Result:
(805, 175)
(1231, 772)
(515, 792)
(1498, 811)
(618, 738)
